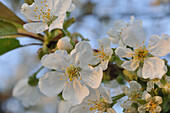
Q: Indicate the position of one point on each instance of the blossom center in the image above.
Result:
(141, 54)
(151, 106)
(134, 95)
(101, 54)
(44, 13)
(98, 105)
(73, 72)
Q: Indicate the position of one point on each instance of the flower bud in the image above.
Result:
(64, 43)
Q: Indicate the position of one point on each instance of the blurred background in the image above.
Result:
(93, 19)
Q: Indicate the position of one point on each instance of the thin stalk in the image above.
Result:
(31, 36)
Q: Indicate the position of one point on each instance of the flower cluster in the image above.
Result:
(77, 72)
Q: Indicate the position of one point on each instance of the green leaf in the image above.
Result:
(69, 22)
(29, 2)
(7, 14)
(8, 44)
(141, 101)
(7, 28)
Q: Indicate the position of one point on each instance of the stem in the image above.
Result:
(32, 44)
(115, 98)
(34, 37)
(38, 70)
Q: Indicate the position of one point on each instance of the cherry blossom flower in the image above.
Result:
(147, 58)
(103, 54)
(152, 104)
(28, 95)
(97, 102)
(73, 73)
(125, 33)
(45, 14)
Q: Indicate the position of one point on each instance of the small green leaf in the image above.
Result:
(141, 101)
(8, 44)
(7, 14)
(69, 22)
(6, 28)
(29, 2)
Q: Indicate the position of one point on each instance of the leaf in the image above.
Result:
(7, 14)
(29, 2)
(8, 44)
(7, 28)
(141, 101)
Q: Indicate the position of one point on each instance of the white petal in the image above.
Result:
(58, 60)
(28, 11)
(159, 46)
(38, 27)
(135, 86)
(134, 35)
(110, 110)
(154, 67)
(61, 7)
(105, 42)
(82, 54)
(150, 86)
(130, 65)
(57, 23)
(82, 108)
(104, 64)
(158, 99)
(119, 24)
(63, 107)
(64, 43)
(92, 77)
(28, 95)
(124, 52)
(94, 60)
(125, 89)
(50, 84)
(75, 91)
(105, 93)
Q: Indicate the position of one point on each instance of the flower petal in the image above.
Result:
(134, 35)
(124, 52)
(105, 42)
(75, 91)
(105, 93)
(37, 27)
(61, 7)
(50, 84)
(28, 95)
(154, 67)
(58, 60)
(135, 86)
(130, 65)
(82, 54)
(92, 77)
(159, 46)
(110, 110)
(57, 23)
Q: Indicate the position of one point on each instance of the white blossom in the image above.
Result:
(152, 104)
(45, 14)
(147, 58)
(97, 102)
(64, 43)
(28, 95)
(134, 92)
(73, 73)
(103, 54)
(125, 33)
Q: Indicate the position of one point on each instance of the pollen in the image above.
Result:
(141, 54)
(35, 10)
(36, 7)
(46, 5)
(41, 1)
